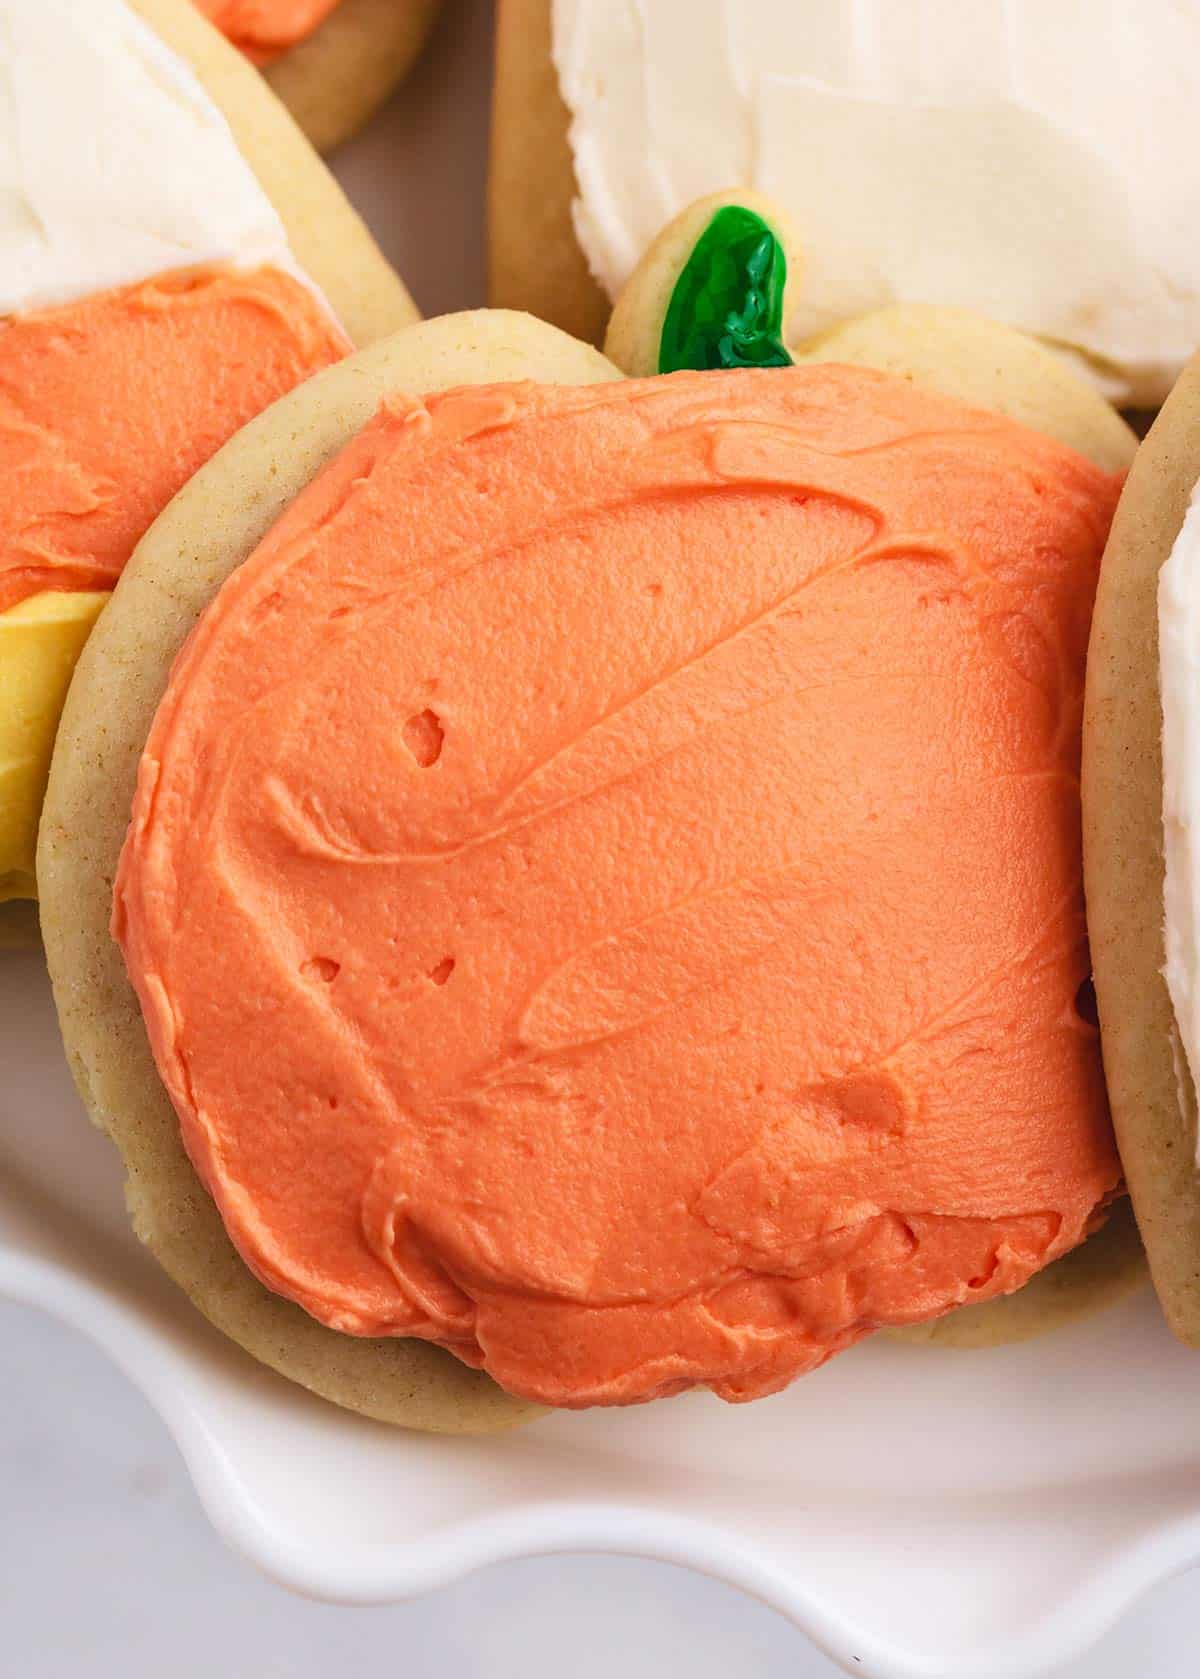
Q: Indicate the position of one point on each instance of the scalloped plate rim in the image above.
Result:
(391, 1572)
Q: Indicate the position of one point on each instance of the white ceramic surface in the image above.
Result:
(918, 1513)
(98, 1513)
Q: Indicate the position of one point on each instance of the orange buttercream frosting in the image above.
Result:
(265, 28)
(108, 405)
(604, 881)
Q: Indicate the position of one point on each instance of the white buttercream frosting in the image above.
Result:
(115, 165)
(1179, 687)
(1031, 159)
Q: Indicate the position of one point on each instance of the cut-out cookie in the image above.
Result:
(551, 806)
(174, 296)
(332, 62)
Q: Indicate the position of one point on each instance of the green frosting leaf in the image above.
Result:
(727, 306)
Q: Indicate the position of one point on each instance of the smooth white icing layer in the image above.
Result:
(1179, 686)
(1032, 159)
(115, 165)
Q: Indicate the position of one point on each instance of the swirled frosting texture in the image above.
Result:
(604, 881)
(265, 28)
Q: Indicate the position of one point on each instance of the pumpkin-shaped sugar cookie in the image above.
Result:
(585, 871)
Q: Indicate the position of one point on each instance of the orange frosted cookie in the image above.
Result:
(603, 886)
(265, 28)
(109, 404)
(332, 62)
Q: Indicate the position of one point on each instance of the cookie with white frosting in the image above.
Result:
(960, 156)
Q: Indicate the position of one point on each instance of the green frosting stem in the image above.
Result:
(727, 306)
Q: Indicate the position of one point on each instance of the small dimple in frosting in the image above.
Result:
(604, 882)
(265, 28)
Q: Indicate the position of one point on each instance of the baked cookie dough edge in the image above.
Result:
(534, 258)
(334, 82)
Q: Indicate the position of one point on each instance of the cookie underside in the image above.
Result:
(1154, 1106)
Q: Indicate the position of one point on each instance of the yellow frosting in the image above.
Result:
(40, 639)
